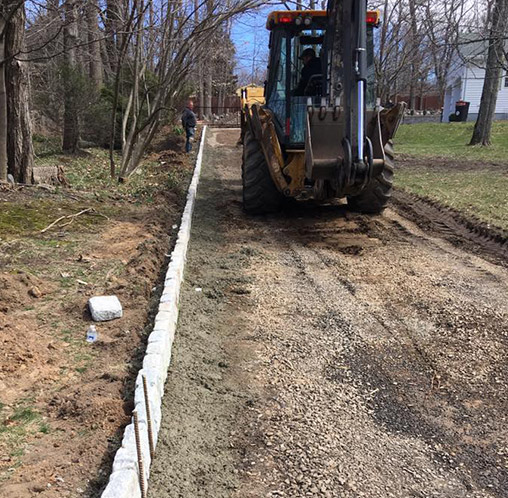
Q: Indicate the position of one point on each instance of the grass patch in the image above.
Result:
(82, 354)
(471, 179)
(24, 414)
(44, 428)
(89, 172)
(15, 430)
(91, 185)
(483, 194)
(32, 216)
(450, 140)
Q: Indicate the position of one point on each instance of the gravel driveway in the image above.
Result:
(326, 353)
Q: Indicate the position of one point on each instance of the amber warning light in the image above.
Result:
(303, 19)
(372, 18)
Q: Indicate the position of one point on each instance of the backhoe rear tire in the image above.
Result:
(374, 198)
(260, 195)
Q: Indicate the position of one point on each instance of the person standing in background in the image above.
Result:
(189, 125)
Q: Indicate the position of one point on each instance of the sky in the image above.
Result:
(251, 41)
(250, 37)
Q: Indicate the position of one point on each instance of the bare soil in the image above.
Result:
(64, 402)
(326, 353)
(461, 229)
(448, 163)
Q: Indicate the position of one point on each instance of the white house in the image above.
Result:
(465, 82)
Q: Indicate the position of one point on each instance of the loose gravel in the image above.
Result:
(329, 354)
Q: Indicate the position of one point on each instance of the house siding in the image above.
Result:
(465, 82)
(473, 87)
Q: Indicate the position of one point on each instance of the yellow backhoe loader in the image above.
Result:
(321, 132)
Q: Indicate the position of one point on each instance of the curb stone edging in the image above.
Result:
(124, 478)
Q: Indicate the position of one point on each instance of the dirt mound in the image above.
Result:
(64, 402)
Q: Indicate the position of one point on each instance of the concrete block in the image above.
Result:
(162, 324)
(123, 484)
(124, 480)
(105, 308)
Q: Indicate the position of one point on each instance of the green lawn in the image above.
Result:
(471, 179)
(450, 140)
(483, 194)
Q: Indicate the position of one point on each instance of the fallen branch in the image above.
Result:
(96, 213)
(66, 224)
(71, 217)
(52, 224)
(43, 186)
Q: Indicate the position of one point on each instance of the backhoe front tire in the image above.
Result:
(374, 198)
(260, 195)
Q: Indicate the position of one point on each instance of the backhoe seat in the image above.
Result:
(314, 87)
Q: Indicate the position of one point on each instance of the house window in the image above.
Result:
(506, 80)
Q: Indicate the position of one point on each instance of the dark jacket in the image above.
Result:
(188, 118)
(312, 68)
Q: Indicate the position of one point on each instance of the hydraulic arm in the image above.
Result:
(347, 57)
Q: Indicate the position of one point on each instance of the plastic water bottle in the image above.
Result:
(91, 334)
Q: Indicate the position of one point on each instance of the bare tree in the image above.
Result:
(415, 60)
(496, 60)
(71, 117)
(181, 41)
(94, 46)
(19, 134)
(443, 21)
(15, 129)
(393, 50)
(3, 96)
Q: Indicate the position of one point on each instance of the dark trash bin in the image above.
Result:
(461, 110)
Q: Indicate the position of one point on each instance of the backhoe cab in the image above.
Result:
(319, 134)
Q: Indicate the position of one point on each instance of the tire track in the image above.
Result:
(474, 234)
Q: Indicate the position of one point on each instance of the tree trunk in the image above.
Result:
(208, 93)
(220, 101)
(3, 105)
(19, 134)
(199, 69)
(381, 86)
(414, 50)
(95, 67)
(493, 71)
(209, 71)
(112, 23)
(71, 123)
(201, 91)
(151, 38)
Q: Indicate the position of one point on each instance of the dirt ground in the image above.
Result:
(325, 353)
(64, 402)
(448, 163)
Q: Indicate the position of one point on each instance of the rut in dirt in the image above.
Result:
(325, 353)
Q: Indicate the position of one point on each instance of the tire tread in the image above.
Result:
(375, 197)
(260, 195)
